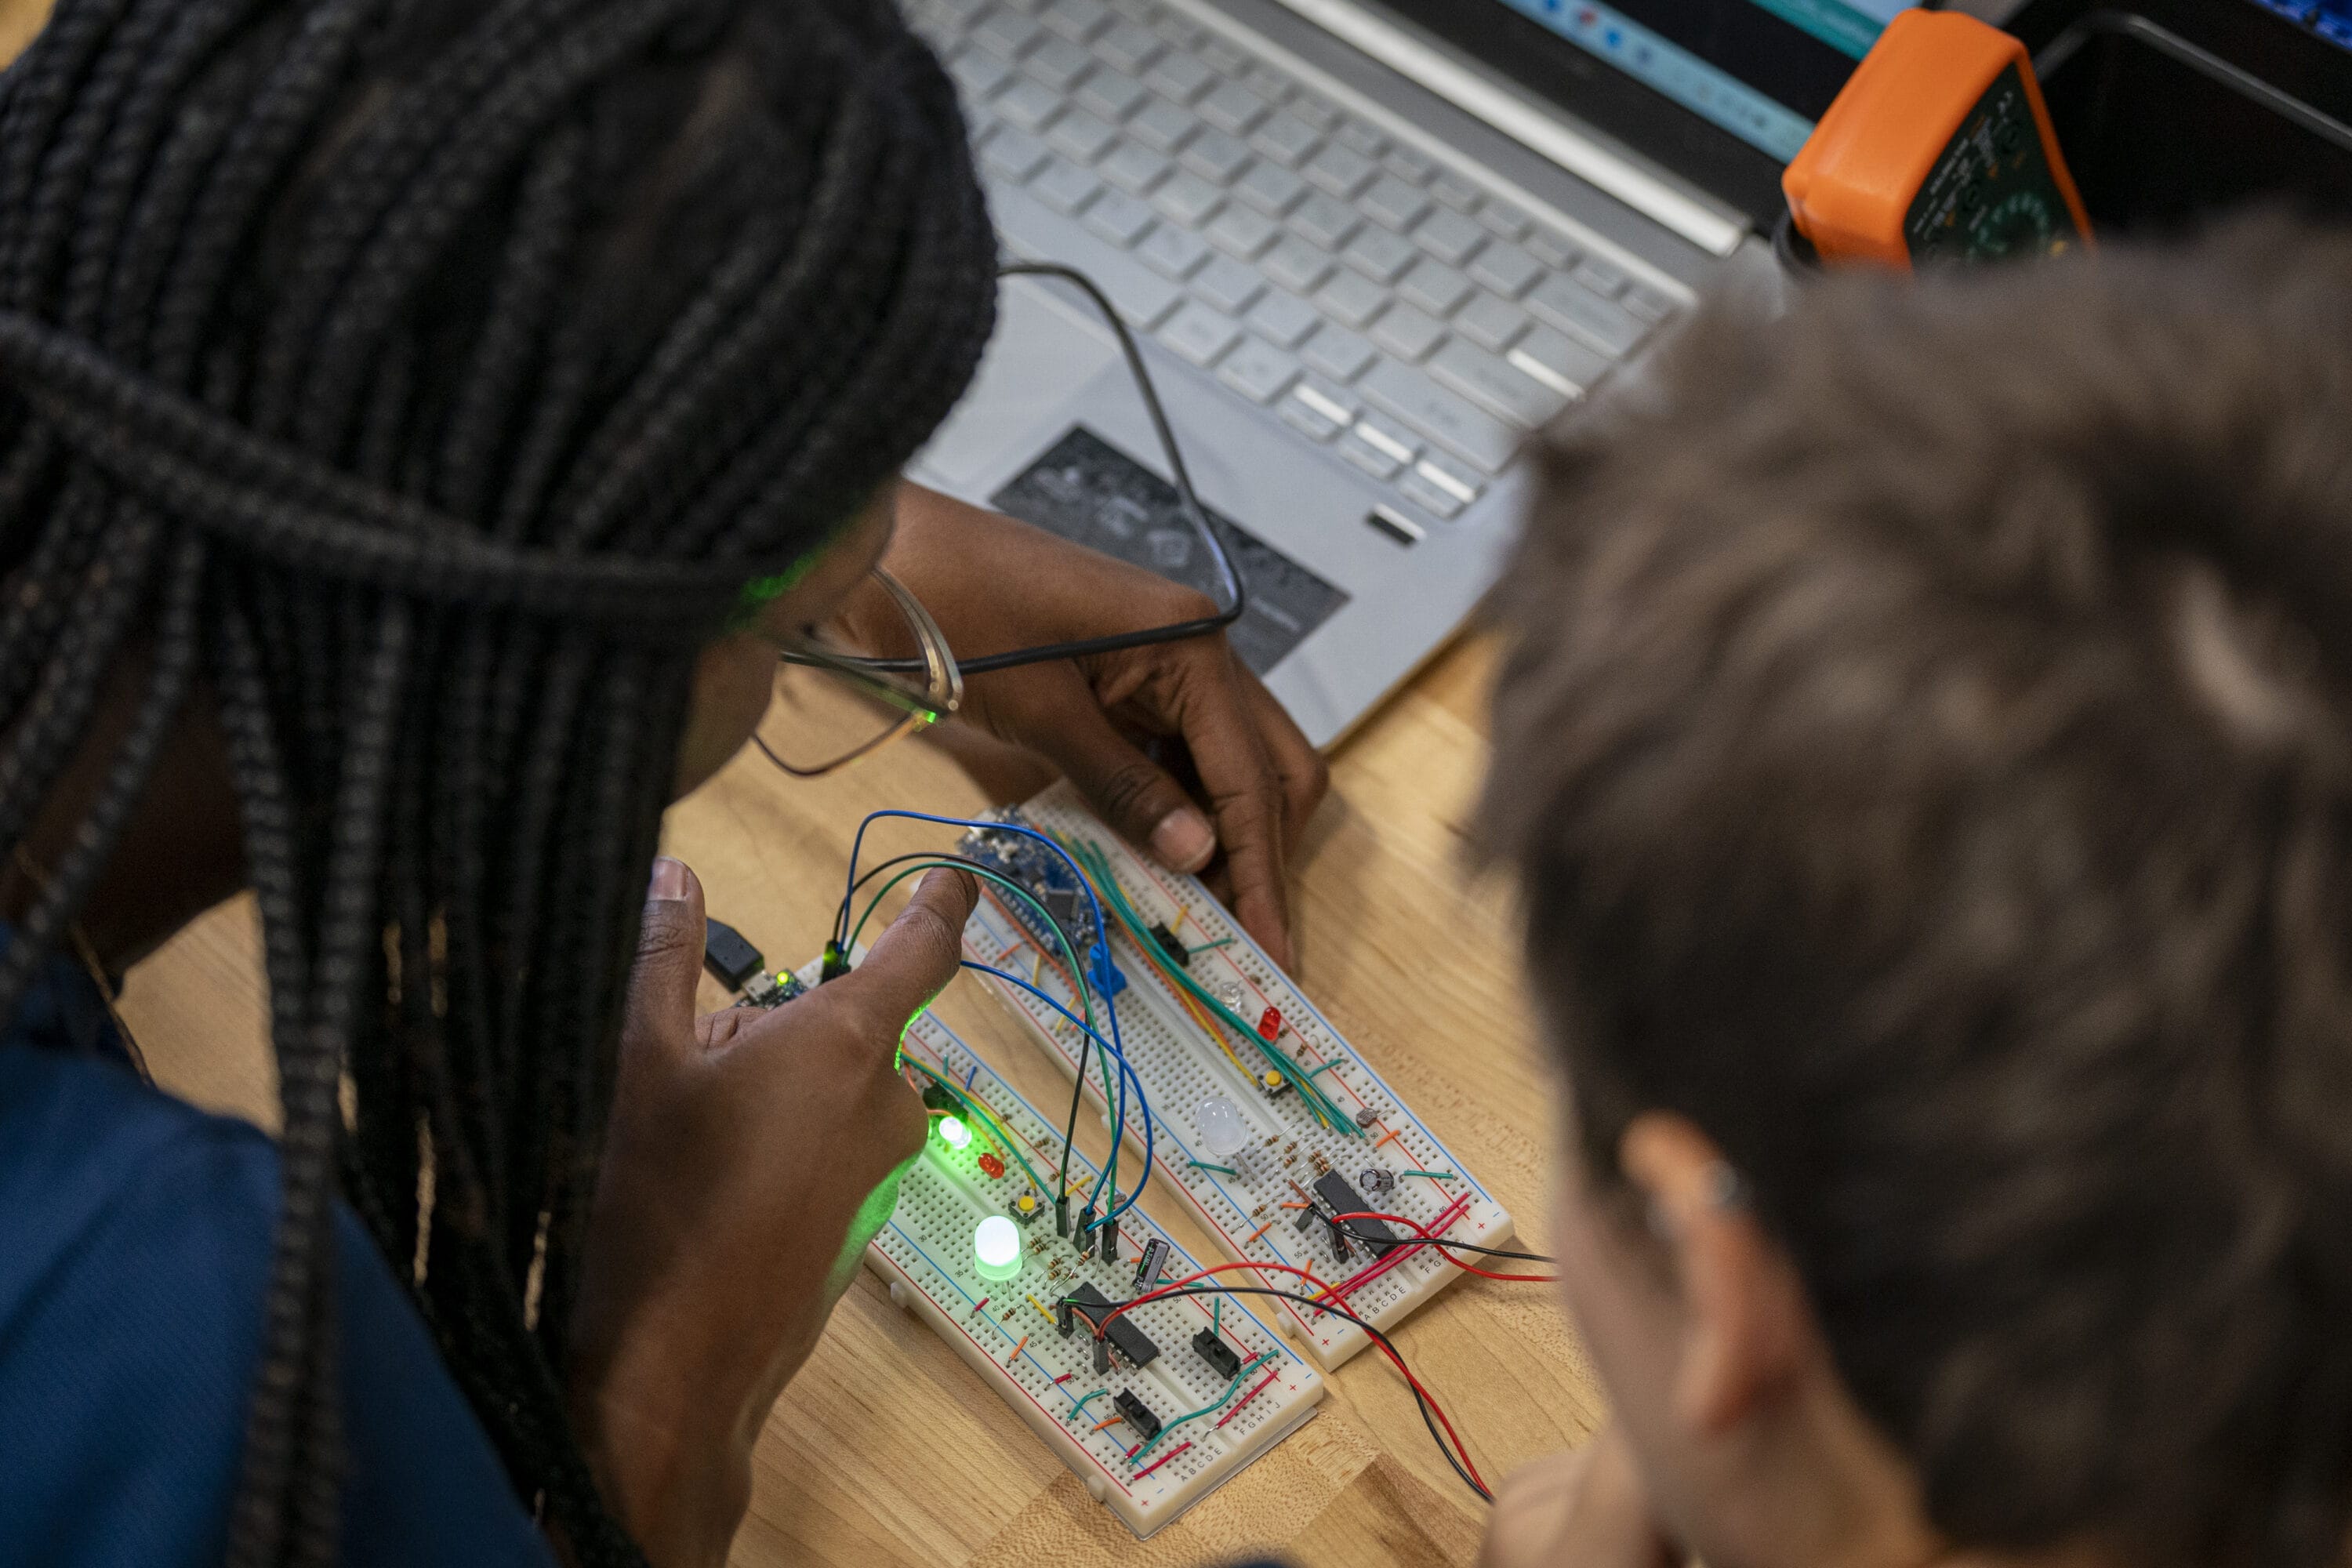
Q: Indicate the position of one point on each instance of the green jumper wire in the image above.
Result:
(1235, 1388)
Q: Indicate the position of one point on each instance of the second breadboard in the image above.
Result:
(1267, 1123)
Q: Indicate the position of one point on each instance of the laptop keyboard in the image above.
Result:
(1379, 300)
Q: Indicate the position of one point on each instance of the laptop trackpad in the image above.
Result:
(1090, 492)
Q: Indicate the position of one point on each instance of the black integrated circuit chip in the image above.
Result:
(1375, 1233)
(1131, 1340)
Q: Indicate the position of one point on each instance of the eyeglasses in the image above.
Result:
(925, 688)
(800, 732)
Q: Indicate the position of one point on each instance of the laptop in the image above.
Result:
(1369, 249)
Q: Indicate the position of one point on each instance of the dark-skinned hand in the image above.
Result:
(995, 584)
(751, 1155)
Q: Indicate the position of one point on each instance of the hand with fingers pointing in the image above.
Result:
(750, 1157)
(1242, 779)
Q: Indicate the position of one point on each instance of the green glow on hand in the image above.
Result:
(996, 1249)
(954, 1133)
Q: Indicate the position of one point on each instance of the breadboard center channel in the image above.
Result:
(1264, 1134)
(1149, 1440)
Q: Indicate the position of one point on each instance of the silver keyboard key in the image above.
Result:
(1013, 155)
(1031, 105)
(1340, 353)
(1221, 57)
(1490, 324)
(1340, 170)
(1172, 252)
(1228, 285)
(1435, 288)
(1350, 299)
(1357, 135)
(1408, 334)
(1377, 254)
(1077, 20)
(1118, 217)
(1605, 279)
(1648, 304)
(1449, 236)
(1007, 33)
(1199, 335)
(1449, 477)
(1179, 77)
(1287, 139)
(1318, 112)
(1258, 371)
(1135, 169)
(1505, 268)
(1270, 189)
(1581, 313)
(1321, 221)
(1306, 420)
(1179, 31)
(1082, 136)
(1455, 192)
(1438, 500)
(1387, 437)
(1494, 385)
(1451, 421)
(1566, 366)
(1553, 248)
(1240, 232)
(1267, 83)
(1128, 48)
(1330, 399)
(1501, 217)
(1233, 108)
(1375, 460)
(1296, 264)
(1058, 63)
(1392, 201)
(1215, 157)
(1283, 319)
(1161, 126)
(1065, 188)
(979, 73)
(1188, 199)
(1408, 164)
(1112, 94)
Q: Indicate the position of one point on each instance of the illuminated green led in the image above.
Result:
(996, 1248)
(954, 1133)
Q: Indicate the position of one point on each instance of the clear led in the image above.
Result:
(996, 1248)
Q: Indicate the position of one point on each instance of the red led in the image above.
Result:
(990, 1166)
(1269, 1025)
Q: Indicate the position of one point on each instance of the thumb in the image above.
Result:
(1140, 800)
(669, 956)
(914, 959)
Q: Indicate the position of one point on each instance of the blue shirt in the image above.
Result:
(135, 1245)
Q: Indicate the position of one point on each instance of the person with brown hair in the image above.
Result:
(1927, 758)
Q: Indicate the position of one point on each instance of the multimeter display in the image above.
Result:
(1992, 195)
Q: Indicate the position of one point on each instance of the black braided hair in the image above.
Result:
(425, 379)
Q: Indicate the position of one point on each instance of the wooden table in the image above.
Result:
(887, 1449)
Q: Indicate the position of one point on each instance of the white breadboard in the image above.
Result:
(1006, 1330)
(1240, 1198)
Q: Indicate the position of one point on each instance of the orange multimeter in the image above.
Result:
(1939, 148)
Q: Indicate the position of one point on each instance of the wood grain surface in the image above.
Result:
(888, 1449)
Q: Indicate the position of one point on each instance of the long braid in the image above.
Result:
(423, 381)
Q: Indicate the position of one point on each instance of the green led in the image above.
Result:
(954, 1133)
(996, 1249)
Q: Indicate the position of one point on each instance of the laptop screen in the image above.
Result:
(2331, 19)
(1763, 70)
